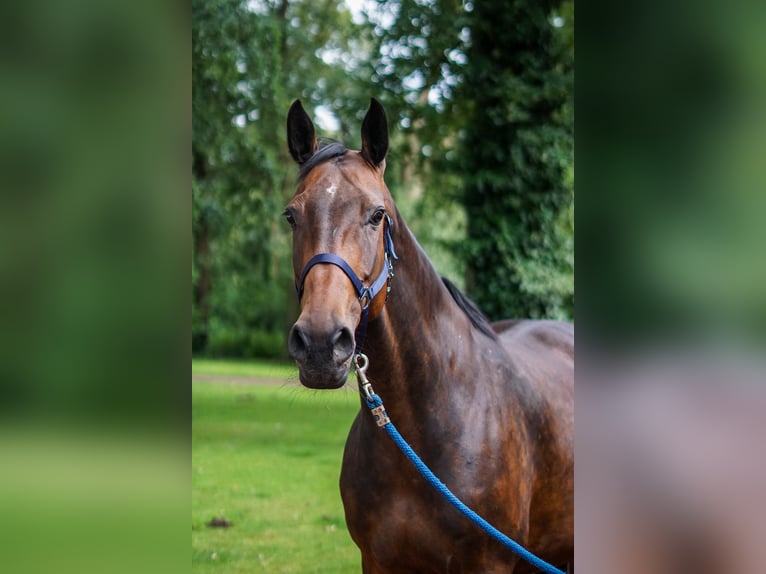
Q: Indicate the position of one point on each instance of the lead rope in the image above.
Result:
(375, 404)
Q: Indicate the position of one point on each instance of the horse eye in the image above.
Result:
(377, 217)
(289, 217)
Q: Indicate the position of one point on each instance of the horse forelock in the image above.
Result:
(327, 151)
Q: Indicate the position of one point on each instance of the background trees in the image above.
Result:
(250, 59)
(479, 98)
(517, 159)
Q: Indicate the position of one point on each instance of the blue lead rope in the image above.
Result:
(375, 403)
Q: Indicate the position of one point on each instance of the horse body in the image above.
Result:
(489, 411)
(464, 402)
(542, 354)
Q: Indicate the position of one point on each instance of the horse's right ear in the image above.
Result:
(301, 138)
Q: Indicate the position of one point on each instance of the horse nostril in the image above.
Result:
(297, 343)
(342, 345)
(304, 345)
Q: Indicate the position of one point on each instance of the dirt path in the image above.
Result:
(243, 380)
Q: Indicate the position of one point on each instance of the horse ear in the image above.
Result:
(375, 134)
(301, 138)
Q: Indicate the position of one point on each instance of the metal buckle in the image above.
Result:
(361, 362)
(365, 299)
(379, 413)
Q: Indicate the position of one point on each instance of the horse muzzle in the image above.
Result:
(323, 356)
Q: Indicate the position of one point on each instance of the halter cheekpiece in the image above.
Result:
(365, 294)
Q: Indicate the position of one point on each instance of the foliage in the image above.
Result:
(250, 59)
(517, 150)
(478, 97)
(417, 63)
(481, 98)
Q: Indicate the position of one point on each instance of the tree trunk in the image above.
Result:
(201, 254)
(202, 288)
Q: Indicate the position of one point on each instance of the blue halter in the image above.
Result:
(365, 294)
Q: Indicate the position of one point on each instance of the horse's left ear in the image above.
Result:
(375, 134)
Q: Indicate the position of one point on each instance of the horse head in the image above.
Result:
(342, 245)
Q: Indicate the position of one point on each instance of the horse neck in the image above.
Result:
(422, 341)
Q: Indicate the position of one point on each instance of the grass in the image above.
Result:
(267, 459)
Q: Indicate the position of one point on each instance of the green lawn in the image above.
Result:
(267, 459)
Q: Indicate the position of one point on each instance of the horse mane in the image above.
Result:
(328, 149)
(478, 319)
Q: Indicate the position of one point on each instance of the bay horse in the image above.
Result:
(489, 408)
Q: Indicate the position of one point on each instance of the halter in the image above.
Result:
(365, 294)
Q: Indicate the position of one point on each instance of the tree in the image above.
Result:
(517, 158)
(233, 173)
(250, 59)
(480, 96)
(417, 64)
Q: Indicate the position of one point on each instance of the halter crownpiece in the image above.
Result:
(365, 294)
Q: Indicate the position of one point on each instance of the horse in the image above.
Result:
(489, 408)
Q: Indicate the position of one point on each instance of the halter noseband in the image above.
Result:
(365, 294)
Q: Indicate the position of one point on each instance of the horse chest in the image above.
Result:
(400, 528)
(396, 518)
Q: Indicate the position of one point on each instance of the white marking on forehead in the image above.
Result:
(332, 189)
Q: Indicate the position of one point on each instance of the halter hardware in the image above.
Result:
(365, 294)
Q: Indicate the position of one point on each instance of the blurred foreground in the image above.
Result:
(94, 113)
(76, 501)
(670, 464)
(671, 288)
(94, 300)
